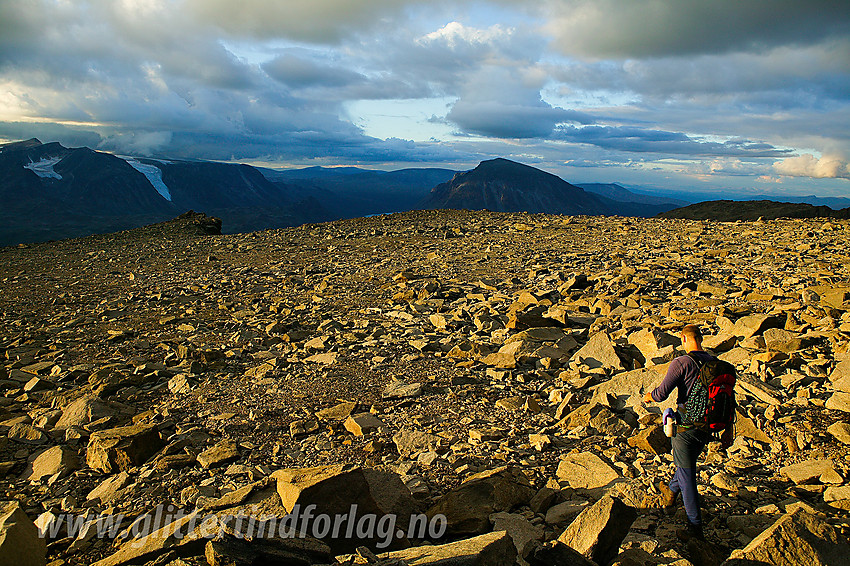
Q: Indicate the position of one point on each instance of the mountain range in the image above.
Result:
(49, 191)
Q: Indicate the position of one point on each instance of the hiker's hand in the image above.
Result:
(727, 438)
(648, 397)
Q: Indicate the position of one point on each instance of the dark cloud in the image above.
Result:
(504, 120)
(316, 21)
(301, 72)
(625, 84)
(650, 28)
(640, 140)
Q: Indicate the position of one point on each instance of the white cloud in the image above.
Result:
(807, 165)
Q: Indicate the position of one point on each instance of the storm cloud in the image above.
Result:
(722, 90)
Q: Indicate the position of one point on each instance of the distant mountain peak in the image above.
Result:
(503, 185)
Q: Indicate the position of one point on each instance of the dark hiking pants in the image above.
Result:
(687, 446)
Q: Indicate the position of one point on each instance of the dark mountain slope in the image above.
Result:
(348, 192)
(730, 211)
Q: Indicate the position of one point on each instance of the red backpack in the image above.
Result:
(711, 402)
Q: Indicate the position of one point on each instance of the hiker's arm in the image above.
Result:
(668, 384)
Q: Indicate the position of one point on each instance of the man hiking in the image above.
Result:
(698, 422)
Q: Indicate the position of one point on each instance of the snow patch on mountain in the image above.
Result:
(154, 175)
(44, 167)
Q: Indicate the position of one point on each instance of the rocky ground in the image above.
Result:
(486, 366)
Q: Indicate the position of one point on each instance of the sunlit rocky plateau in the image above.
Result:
(485, 366)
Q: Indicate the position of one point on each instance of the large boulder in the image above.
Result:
(812, 471)
(796, 538)
(649, 341)
(57, 460)
(599, 352)
(468, 507)
(491, 549)
(627, 390)
(586, 470)
(781, 340)
(338, 490)
(751, 325)
(230, 549)
(599, 530)
(121, 448)
(20, 544)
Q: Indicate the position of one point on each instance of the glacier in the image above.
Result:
(44, 167)
(154, 175)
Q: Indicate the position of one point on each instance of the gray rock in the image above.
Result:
(780, 340)
(409, 441)
(565, 511)
(520, 529)
(402, 390)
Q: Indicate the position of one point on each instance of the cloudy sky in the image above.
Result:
(721, 95)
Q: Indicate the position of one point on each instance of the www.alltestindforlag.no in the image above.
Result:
(168, 521)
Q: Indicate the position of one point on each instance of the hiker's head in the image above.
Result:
(691, 338)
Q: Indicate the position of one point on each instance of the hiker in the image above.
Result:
(691, 438)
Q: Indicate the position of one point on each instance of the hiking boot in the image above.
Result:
(692, 532)
(668, 498)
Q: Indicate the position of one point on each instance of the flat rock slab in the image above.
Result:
(409, 441)
(491, 549)
(363, 423)
(812, 471)
(841, 432)
(224, 451)
(402, 390)
(586, 471)
(60, 460)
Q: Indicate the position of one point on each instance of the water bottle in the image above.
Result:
(669, 421)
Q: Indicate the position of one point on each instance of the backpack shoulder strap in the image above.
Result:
(700, 364)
